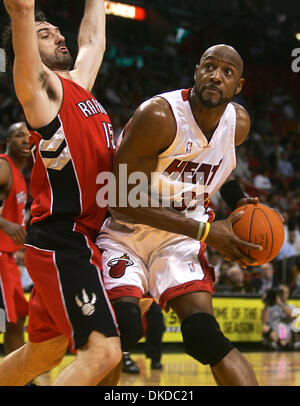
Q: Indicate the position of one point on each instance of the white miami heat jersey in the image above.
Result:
(192, 169)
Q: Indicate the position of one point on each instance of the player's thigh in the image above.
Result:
(46, 354)
(178, 270)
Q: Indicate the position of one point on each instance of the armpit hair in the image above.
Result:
(43, 78)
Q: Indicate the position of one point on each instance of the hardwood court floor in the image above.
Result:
(271, 368)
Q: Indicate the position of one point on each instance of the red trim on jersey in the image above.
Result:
(185, 94)
(211, 216)
(122, 291)
(188, 287)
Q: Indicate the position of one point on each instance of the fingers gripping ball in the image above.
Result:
(263, 226)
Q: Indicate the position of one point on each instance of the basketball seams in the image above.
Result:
(250, 229)
(271, 230)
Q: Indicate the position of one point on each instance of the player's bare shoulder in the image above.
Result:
(158, 108)
(155, 122)
(243, 124)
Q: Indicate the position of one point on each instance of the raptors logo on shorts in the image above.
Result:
(118, 266)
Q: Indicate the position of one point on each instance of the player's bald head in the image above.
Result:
(226, 53)
(21, 126)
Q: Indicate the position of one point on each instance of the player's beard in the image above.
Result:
(208, 103)
(60, 62)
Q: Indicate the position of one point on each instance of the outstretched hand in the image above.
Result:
(18, 5)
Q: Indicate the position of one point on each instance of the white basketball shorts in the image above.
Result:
(140, 260)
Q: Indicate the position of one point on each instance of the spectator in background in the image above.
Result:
(13, 193)
(215, 260)
(236, 276)
(231, 279)
(285, 260)
(284, 166)
(296, 278)
(294, 238)
(154, 327)
(154, 330)
(277, 318)
(262, 181)
(266, 281)
(242, 170)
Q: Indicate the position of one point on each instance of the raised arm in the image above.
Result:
(91, 44)
(28, 66)
(32, 80)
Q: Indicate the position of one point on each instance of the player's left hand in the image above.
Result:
(254, 200)
(247, 200)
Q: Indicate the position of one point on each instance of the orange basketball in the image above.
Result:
(263, 226)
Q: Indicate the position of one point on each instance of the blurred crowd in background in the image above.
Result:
(145, 58)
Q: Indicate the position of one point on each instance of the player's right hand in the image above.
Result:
(18, 5)
(222, 238)
(15, 232)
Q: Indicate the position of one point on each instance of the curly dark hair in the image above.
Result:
(6, 40)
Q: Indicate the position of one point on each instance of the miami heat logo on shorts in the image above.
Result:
(118, 266)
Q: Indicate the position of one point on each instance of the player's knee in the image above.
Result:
(114, 351)
(109, 352)
(204, 340)
(101, 350)
(130, 324)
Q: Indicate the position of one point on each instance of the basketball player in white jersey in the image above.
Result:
(160, 250)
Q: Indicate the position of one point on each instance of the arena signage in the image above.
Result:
(125, 10)
(239, 319)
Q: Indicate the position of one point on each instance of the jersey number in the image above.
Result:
(109, 135)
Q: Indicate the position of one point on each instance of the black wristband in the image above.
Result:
(231, 193)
